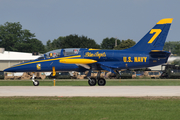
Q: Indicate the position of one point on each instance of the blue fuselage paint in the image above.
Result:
(114, 59)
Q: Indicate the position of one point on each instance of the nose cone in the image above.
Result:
(12, 69)
(8, 70)
(22, 68)
(15, 68)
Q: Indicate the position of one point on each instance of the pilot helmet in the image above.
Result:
(50, 54)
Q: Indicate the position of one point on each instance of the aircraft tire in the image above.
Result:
(92, 82)
(36, 83)
(101, 82)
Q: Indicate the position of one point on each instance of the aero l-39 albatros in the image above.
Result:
(146, 53)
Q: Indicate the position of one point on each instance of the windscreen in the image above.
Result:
(65, 52)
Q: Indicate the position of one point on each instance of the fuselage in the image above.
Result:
(114, 59)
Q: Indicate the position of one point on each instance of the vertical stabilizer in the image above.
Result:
(155, 38)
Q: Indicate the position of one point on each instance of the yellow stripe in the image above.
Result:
(93, 49)
(165, 21)
(156, 50)
(47, 60)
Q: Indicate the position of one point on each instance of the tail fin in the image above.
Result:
(155, 38)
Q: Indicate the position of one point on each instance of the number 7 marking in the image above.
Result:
(157, 32)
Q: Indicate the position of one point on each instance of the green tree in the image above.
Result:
(177, 49)
(125, 44)
(48, 45)
(109, 43)
(55, 44)
(171, 46)
(72, 41)
(13, 38)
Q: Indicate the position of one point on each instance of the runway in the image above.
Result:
(89, 91)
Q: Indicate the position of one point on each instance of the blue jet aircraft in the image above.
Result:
(146, 53)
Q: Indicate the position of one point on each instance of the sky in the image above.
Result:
(96, 19)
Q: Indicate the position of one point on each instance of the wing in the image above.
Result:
(111, 66)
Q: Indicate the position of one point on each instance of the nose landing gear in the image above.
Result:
(35, 82)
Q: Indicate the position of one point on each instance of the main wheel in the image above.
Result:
(92, 82)
(36, 83)
(101, 82)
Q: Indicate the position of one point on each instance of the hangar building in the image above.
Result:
(10, 58)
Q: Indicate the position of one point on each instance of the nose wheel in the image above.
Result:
(35, 82)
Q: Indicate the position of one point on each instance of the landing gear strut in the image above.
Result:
(35, 82)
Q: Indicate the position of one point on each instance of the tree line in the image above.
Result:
(14, 38)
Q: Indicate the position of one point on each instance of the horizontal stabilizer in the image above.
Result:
(159, 54)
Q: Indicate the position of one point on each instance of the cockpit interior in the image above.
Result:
(59, 53)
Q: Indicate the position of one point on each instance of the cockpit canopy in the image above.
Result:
(60, 52)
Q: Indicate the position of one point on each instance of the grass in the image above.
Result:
(89, 108)
(110, 82)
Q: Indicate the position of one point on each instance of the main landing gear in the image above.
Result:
(93, 81)
(98, 79)
(35, 82)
